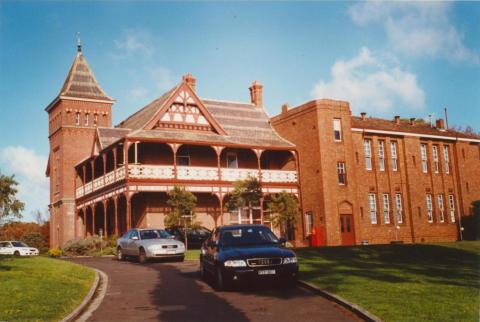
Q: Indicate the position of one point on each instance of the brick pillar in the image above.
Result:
(84, 222)
(129, 211)
(105, 227)
(115, 200)
(93, 219)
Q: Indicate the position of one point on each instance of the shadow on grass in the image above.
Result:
(391, 263)
(8, 258)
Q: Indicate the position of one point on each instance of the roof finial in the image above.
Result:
(79, 44)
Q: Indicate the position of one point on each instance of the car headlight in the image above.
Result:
(235, 263)
(289, 260)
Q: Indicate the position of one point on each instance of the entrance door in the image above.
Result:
(347, 230)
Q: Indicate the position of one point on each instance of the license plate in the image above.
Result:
(266, 272)
(170, 252)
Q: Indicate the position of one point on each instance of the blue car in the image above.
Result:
(245, 254)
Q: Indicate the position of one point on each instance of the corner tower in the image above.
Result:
(73, 116)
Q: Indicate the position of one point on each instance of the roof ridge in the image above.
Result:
(225, 101)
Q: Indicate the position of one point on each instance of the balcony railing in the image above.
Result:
(155, 172)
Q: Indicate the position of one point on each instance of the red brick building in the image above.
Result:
(362, 179)
(115, 178)
(373, 180)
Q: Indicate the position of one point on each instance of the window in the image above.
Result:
(386, 208)
(95, 119)
(183, 160)
(435, 159)
(85, 121)
(381, 155)
(342, 176)
(77, 118)
(232, 161)
(368, 154)
(451, 204)
(398, 206)
(440, 207)
(423, 150)
(446, 159)
(337, 129)
(373, 208)
(393, 147)
(308, 222)
(429, 208)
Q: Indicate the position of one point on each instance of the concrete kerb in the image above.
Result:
(362, 313)
(93, 299)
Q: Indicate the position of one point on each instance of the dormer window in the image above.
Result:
(85, 120)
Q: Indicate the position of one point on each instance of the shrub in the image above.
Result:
(55, 252)
(34, 239)
(84, 247)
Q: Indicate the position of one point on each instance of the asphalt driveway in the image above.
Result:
(174, 292)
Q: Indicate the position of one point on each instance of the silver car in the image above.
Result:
(149, 243)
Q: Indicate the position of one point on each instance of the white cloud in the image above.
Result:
(371, 84)
(162, 78)
(416, 29)
(134, 41)
(29, 170)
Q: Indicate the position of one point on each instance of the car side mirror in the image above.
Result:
(134, 238)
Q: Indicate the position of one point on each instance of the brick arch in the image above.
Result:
(345, 207)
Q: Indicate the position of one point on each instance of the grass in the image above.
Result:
(192, 254)
(419, 282)
(40, 288)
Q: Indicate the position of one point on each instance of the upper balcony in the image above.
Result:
(181, 164)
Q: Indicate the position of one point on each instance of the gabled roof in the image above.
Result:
(233, 123)
(405, 126)
(142, 116)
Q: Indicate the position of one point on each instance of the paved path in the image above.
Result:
(174, 292)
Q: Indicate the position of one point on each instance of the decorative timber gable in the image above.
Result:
(184, 111)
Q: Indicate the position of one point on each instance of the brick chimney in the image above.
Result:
(440, 124)
(396, 119)
(412, 121)
(256, 94)
(363, 115)
(285, 108)
(190, 80)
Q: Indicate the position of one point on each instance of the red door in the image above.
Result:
(346, 229)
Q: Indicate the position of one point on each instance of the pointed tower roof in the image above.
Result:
(81, 82)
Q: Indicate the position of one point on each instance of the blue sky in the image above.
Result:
(406, 58)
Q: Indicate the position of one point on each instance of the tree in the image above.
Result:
(10, 206)
(34, 239)
(246, 194)
(284, 210)
(182, 204)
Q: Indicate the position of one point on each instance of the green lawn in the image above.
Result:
(192, 254)
(420, 282)
(40, 288)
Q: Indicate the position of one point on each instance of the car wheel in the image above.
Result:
(17, 253)
(120, 255)
(220, 282)
(142, 256)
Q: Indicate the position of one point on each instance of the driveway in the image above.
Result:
(174, 292)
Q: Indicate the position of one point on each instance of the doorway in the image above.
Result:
(347, 230)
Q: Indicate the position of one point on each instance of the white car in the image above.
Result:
(149, 243)
(16, 248)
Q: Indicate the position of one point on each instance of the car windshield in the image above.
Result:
(153, 234)
(19, 244)
(247, 236)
